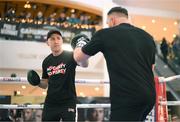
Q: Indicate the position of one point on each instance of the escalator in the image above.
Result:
(166, 70)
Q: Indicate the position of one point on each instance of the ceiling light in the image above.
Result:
(72, 10)
(143, 27)
(82, 94)
(164, 29)
(13, 11)
(175, 23)
(44, 93)
(23, 87)
(96, 88)
(153, 21)
(27, 5)
(174, 35)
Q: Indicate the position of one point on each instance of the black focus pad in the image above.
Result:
(79, 40)
(33, 78)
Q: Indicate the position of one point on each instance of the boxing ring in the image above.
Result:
(158, 113)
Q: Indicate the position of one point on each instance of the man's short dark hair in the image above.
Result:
(118, 10)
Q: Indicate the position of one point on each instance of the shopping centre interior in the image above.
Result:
(25, 23)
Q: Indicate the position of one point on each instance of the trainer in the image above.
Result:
(130, 54)
(58, 75)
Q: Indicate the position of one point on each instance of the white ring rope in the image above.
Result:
(6, 106)
(93, 105)
(24, 79)
(9, 79)
(36, 106)
(168, 79)
(170, 103)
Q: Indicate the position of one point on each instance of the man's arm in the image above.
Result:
(34, 79)
(153, 66)
(43, 83)
(80, 57)
(77, 43)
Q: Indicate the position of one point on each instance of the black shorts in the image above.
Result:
(57, 113)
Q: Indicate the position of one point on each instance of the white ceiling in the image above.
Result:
(168, 5)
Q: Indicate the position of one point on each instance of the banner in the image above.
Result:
(38, 32)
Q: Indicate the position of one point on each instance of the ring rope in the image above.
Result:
(36, 106)
(170, 103)
(168, 79)
(24, 79)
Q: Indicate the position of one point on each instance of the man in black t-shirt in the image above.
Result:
(58, 74)
(130, 54)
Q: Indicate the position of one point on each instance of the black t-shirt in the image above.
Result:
(60, 72)
(129, 53)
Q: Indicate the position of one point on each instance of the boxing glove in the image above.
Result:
(79, 41)
(33, 78)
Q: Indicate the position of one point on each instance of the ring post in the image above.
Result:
(161, 110)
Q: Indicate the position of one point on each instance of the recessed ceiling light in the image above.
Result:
(72, 10)
(174, 35)
(82, 94)
(143, 27)
(175, 23)
(23, 87)
(44, 93)
(164, 29)
(96, 88)
(153, 21)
